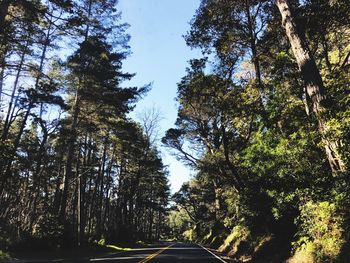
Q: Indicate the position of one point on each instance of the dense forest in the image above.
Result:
(264, 122)
(74, 168)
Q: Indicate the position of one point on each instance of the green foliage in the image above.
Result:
(246, 125)
(118, 248)
(189, 235)
(47, 227)
(322, 234)
(237, 234)
(73, 167)
(48, 231)
(178, 221)
(4, 255)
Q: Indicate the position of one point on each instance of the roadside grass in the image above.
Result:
(71, 254)
(91, 250)
(4, 255)
(118, 248)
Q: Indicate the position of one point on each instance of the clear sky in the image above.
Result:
(160, 55)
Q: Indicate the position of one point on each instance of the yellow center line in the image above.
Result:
(155, 254)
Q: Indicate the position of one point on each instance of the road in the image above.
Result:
(167, 253)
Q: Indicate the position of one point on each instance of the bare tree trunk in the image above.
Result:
(313, 82)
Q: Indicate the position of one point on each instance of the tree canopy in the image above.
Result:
(74, 167)
(262, 121)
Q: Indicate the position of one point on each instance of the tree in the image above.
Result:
(204, 120)
(313, 82)
(276, 147)
(150, 120)
(31, 33)
(74, 168)
(231, 29)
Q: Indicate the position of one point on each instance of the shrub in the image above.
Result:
(237, 234)
(48, 232)
(189, 235)
(321, 236)
(8, 234)
(4, 255)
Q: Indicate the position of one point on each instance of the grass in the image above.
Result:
(118, 248)
(95, 249)
(4, 255)
(70, 254)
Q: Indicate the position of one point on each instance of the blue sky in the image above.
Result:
(160, 55)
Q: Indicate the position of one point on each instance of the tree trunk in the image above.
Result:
(150, 226)
(4, 8)
(7, 124)
(4, 49)
(237, 181)
(31, 105)
(70, 155)
(99, 195)
(255, 58)
(7, 172)
(37, 173)
(73, 135)
(313, 82)
(2, 75)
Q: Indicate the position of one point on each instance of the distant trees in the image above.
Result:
(261, 120)
(73, 167)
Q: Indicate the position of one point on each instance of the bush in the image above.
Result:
(8, 235)
(4, 255)
(321, 236)
(237, 234)
(189, 235)
(47, 232)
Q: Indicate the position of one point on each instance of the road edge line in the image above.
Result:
(219, 258)
(148, 258)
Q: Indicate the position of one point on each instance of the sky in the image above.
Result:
(160, 55)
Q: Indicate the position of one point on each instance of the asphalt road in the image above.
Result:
(167, 253)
